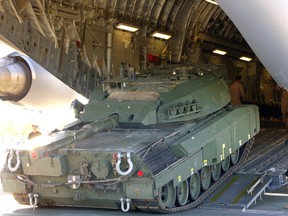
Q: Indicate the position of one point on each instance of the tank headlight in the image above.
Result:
(34, 155)
(140, 173)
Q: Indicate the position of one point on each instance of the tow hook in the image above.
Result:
(18, 161)
(130, 163)
(123, 200)
(33, 199)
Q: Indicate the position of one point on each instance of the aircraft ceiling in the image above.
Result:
(193, 16)
(60, 22)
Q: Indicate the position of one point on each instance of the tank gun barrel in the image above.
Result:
(85, 132)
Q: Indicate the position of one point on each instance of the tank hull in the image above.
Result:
(94, 172)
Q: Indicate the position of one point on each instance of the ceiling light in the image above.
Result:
(219, 52)
(127, 27)
(161, 35)
(211, 1)
(245, 58)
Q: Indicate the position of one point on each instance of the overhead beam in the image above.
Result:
(224, 43)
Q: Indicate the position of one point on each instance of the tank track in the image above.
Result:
(22, 199)
(155, 206)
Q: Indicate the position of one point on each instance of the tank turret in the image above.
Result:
(179, 94)
(160, 143)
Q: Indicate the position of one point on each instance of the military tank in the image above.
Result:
(161, 143)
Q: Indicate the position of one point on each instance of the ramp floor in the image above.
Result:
(263, 174)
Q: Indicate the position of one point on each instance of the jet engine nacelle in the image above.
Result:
(25, 82)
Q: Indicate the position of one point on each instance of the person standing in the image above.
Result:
(237, 92)
(34, 133)
(284, 106)
(131, 72)
(122, 70)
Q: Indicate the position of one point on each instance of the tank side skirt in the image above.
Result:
(192, 163)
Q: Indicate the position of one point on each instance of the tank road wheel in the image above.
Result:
(225, 164)
(194, 186)
(205, 177)
(235, 156)
(168, 195)
(216, 171)
(182, 192)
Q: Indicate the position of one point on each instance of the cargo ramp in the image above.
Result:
(263, 174)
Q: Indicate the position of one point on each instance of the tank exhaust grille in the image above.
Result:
(157, 157)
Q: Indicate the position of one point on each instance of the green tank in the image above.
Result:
(160, 143)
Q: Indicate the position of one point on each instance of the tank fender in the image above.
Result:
(12, 184)
(179, 172)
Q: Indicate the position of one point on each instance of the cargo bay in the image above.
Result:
(152, 95)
